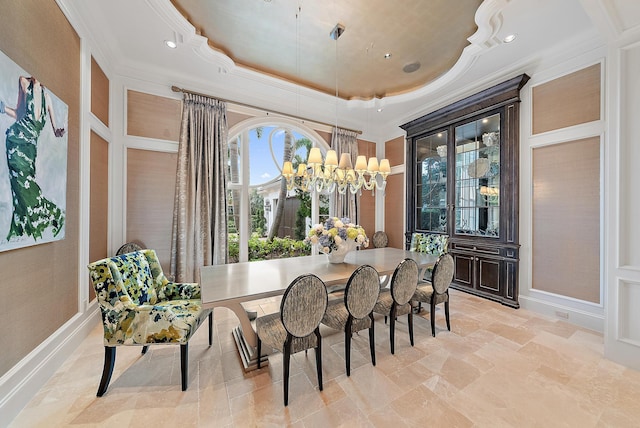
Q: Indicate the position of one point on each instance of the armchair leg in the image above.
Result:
(184, 364)
(211, 327)
(107, 370)
(145, 348)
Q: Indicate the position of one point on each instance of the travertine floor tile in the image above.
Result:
(498, 367)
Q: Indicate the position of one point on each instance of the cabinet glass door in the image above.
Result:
(431, 182)
(477, 177)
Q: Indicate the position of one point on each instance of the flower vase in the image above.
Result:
(338, 255)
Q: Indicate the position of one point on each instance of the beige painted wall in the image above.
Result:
(98, 203)
(367, 201)
(153, 116)
(566, 219)
(99, 93)
(568, 100)
(566, 188)
(151, 182)
(40, 283)
(394, 195)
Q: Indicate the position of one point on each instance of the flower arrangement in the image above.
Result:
(335, 233)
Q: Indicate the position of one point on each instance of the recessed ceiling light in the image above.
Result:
(380, 109)
(509, 38)
(171, 44)
(387, 55)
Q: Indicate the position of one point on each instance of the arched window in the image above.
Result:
(256, 150)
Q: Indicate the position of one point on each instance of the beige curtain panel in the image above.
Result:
(199, 212)
(345, 141)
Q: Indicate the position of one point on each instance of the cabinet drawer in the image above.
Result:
(478, 249)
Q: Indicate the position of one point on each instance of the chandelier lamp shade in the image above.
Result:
(318, 175)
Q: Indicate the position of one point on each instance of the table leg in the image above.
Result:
(247, 340)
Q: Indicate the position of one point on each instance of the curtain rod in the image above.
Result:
(302, 119)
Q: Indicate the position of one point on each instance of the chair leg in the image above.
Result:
(392, 328)
(107, 370)
(433, 317)
(347, 344)
(319, 358)
(410, 320)
(372, 340)
(446, 314)
(259, 349)
(211, 327)
(145, 348)
(347, 350)
(285, 369)
(184, 364)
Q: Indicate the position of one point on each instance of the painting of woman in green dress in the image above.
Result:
(34, 217)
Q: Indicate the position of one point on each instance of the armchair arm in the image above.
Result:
(146, 324)
(179, 291)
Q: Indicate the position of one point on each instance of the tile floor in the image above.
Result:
(498, 367)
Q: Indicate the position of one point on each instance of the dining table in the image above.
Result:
(230, 285)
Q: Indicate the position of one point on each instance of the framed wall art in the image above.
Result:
(33, 168)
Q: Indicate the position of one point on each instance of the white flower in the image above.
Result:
(314, 239)
(337, 240)
(325, 232)
(360, 239)
(338, 224)
(326, 250)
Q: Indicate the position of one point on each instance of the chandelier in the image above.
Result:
(318, 175)
(330, 175)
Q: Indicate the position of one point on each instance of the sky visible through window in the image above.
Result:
(265, 158)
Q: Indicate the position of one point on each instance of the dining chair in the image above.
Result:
(297, 326)
(354, 312)
(437, 290)
(396, 300)
(129, 247)
(380, 239)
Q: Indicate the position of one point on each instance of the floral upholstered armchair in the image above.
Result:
(141, 307)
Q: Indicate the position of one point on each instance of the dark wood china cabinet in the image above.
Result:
(462, 181)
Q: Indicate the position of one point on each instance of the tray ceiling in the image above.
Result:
(291, 40)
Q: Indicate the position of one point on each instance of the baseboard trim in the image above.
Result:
(571, 315)
(20, 384)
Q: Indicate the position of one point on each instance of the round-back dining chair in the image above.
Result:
(296, 327)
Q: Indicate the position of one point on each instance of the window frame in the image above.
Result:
(242, 129)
